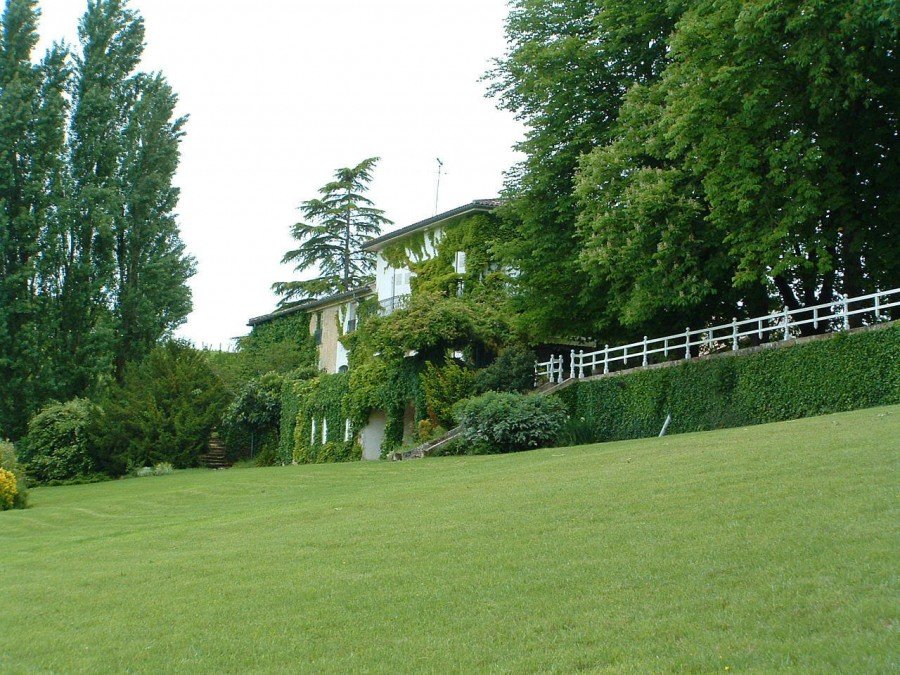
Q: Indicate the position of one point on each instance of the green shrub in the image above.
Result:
(507, 422)
(444, 386)
(9, 462)
(250, 423)
(512, 370)
(164, 411)
(58, 446)
(843, 372)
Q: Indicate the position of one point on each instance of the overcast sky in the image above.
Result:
(282, 92)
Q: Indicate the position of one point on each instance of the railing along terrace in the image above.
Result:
(781, 326)
(392, 304)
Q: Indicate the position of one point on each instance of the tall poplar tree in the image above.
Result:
(128, 264)
(93, 271)
(32, 117)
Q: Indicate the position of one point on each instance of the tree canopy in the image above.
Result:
(698, 160)
(93, 271)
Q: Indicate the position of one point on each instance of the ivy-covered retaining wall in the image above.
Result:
(843, 372)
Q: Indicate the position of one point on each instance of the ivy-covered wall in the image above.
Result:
(319, 401)
(284, 343)
(843, 372)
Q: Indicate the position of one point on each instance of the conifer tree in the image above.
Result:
(342, 220)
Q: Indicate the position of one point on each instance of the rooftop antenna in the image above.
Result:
(437, 189)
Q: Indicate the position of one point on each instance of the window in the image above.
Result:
(459, 264)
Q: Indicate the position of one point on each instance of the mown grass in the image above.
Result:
(753, 548)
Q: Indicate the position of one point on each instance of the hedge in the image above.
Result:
(846, 371)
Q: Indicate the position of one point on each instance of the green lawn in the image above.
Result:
(755, 548)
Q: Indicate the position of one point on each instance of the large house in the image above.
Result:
(334, 316)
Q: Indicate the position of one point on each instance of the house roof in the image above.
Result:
(360, 292)
(479, 205)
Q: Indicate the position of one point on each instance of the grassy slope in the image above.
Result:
(763, 547)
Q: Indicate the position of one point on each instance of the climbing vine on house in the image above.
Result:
(423, 355)
(320, 433)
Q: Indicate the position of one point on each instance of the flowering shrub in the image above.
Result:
(161, 469)
(10, 464)
(9, 489)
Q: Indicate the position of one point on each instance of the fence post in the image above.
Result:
(625, 356)
(572, 365)
(606, 359)
(687, 342)
(666, 347)
(815, 317)
(734, 332)
(759, 329)
(645, 351)
(844, 314)
(559, 369)
(580, 364)
(787, 332)
(877, 306)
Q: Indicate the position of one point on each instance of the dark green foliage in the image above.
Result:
(499, 422)
(838, 373)
(512, 370)
(342, 220)
(282, 345)
(164, 411)
(32, 173)
(9, 462)
(92, 269)
(59, 445)
(250, 423)
(444, 386)
(765, 156)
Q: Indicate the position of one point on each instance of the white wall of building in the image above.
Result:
(391, 282)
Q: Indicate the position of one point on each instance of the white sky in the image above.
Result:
(283, 92)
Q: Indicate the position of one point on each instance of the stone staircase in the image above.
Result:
(215, 457)
(428, 447)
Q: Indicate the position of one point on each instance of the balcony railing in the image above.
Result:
(392, 304)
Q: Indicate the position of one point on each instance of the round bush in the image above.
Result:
(505, 422)
(58, 447)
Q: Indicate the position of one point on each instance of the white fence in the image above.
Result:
(784, 325)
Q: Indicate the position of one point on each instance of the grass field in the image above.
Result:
(754, 548)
